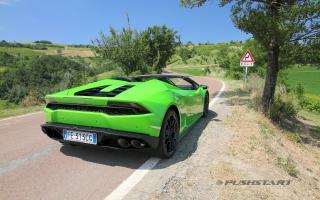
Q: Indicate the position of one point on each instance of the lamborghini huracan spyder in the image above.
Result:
(148, 111)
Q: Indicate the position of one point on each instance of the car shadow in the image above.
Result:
(189, 143)
(134, 158)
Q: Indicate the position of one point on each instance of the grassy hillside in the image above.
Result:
(198, 60)
(308, 76)
(20, 51)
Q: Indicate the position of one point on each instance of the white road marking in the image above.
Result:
(213, 101)
(20, 116)
(126, 186)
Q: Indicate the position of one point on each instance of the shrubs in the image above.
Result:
(310, 102)
(288, 165)
(31, 79)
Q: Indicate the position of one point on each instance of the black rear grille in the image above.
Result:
(100, 109)
(97, 91)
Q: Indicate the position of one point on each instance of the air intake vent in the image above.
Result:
(97, 91)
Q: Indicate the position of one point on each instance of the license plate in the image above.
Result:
(83, 137)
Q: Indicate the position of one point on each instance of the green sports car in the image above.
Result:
(148, 111)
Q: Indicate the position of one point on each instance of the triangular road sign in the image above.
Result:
(247, 57)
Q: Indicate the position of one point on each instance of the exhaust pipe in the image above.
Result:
(137, 144)
(123, 143)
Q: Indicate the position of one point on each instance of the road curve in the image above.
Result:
(32, 166)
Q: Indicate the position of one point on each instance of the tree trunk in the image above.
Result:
(271, 77)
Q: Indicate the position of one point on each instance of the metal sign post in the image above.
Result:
(245, 74)
(246, 61)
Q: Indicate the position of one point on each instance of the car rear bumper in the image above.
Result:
(105, 137)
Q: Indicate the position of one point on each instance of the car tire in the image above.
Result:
(205, 106)
(169, 135)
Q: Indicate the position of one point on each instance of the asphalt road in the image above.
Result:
(32, 166)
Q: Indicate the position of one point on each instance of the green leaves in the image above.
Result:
(39, 76)
(138, 51)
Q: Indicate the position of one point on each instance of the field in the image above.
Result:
(21, 51)
(55, 49)
(9, 109)
(190, 71)
(308, 76)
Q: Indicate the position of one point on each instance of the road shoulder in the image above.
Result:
(235, 153)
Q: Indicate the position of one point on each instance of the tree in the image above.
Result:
(274, 24)
(133, 50)
(124, 48)
(186, 52)
(161, 43)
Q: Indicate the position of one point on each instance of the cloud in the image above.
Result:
(6, 2)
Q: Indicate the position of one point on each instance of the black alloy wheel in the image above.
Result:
(169, 135)
(206, 106)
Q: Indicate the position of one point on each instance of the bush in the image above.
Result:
(282, 109)
(299, 90)
(310, 102)
(39, 76)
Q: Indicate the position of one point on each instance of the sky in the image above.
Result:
(80, 21)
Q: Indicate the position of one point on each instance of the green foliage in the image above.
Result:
(299, 90)
(207, 70)
(288, 165)
(310, 103)
(39, 76)
(133, 50)
(42, 42)
(279, 26)
(124, 48)
(186, 52)
(294, 137)
(228, 57)
(6, 59)
(160, 43)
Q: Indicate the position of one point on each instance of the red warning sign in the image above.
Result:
(247, 59)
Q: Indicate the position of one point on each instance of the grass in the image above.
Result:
(294, 137)
(9, 109)
(107, 75)
(69, 51)
(313, 118)
(21, 51)
(190, 71)
(288, 165)
(308, 76)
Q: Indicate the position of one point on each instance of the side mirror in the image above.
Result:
(205, 87)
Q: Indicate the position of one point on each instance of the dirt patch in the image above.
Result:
(271, 155)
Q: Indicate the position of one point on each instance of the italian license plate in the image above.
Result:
(77, 136)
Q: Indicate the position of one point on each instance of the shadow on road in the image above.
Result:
(133, 159)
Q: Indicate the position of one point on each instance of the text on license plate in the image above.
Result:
(83, 137)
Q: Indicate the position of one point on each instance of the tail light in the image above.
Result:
(118, 108)
(49, 100)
